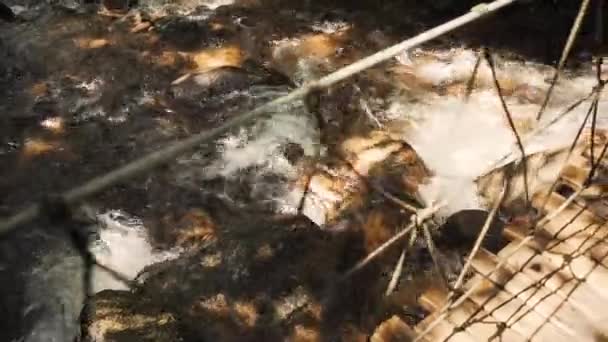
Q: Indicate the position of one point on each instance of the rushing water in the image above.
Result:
(458, 141)
(55, 289)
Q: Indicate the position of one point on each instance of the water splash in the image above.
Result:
(123, 246)
(55, 286)
(256, 154)
(460, 140)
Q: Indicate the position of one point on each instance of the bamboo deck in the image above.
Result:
(555, 288)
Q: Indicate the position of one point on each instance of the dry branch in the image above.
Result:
(418, 219)
(399, 267)
(430, 245)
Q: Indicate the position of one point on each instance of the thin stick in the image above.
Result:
(503, 160)
(392, 198)
(471, 82)
(598, 67)
(423, 215)
(511, 123)
(562, 61)
(434, 256)
(365, 106)
(399, 267)
(570, 151)
(170, 152)
(596, 164)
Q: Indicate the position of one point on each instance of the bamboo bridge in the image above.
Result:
(549, 284)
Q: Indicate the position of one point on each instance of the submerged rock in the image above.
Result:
(462, 229)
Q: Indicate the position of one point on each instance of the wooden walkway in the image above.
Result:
(554, 288)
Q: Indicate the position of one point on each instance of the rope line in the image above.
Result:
(562, 61)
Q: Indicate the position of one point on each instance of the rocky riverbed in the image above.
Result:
(247, 237)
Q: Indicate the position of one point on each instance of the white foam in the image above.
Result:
(457, 69)
(213, 4)
(258, 150)
(55, 286)
(330, 26)
(459, 141)
(259, 146)
(125, 248)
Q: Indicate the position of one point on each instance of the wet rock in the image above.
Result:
(191, 33)
(117, 5)
(304, 58)
(271, 76)
(293, 152)
(186, 228)
(393, 330)
(122, 316)
(214, 82)
(328, 191)
(462, 229)
(343, 181)
(225, 292)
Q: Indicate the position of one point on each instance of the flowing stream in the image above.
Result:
(249, 168)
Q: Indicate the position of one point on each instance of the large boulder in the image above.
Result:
(341, 183)
(224, 292)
